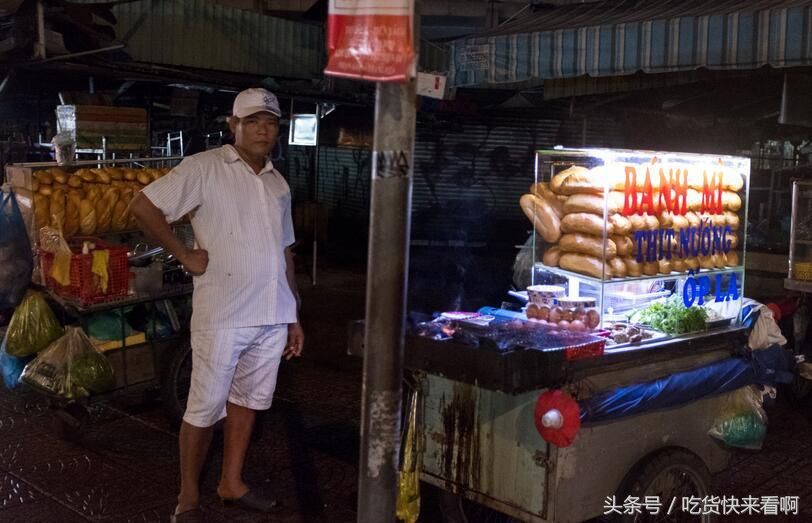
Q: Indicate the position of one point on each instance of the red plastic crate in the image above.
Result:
(84, 285)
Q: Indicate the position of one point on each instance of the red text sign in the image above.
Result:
(370, 40)
(672, 192)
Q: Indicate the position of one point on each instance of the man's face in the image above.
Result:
(256, 133)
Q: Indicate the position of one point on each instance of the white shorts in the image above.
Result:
(238, 366)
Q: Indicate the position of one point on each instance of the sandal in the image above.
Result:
(194, 515)
(251, 501)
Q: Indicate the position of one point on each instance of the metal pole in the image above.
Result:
(387, 270)
(316, 196)
(39, 46)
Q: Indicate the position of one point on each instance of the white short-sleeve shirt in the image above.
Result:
(244, 221)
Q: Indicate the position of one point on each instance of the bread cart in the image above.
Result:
(600, 386)
(799, 279)
(159, 352)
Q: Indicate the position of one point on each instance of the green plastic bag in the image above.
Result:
(33, 326)
(107, 326)
(70, 368)
(742, 423)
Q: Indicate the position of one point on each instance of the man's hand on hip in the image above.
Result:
(195, 261)
(295, 341)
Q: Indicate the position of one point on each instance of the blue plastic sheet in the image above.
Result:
(16, 261)
(11, 367)
(767, 367)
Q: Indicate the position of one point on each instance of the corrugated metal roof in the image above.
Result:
(197, 33)
(623, 37)
(612, 12)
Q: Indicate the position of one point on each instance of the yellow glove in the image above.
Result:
(101, 260)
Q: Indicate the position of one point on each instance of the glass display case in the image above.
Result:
(799, 276)
(637, 246)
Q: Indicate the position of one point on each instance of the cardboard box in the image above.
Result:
(125, 128)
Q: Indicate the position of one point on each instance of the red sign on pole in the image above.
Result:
(370, 40)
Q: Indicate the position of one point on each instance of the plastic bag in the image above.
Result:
(11, 367)
(52, 240)
(33, 326)
(109, 326)
(16, 260)
(743, 422)
(70, 368)
(408, 500)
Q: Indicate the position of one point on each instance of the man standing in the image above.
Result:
(244, 317)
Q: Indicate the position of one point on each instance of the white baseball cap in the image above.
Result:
(255, 100)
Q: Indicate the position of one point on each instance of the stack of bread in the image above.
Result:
(89, 201)
(568, 213)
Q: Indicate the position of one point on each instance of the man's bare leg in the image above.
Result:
(236, 434)
(194, 445)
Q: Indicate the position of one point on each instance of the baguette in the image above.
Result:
(44, 177)
(585, 244)
(60, 176)
(584, 264)
(552, 257)
(618, 268)
(585, 223)
(732, 180)
(651, 268)
(666, 220)
(679, 222)
(593, 203)
(86, 175)
(664, 267)
(706, 262)
(542, 216)
(678, 265)
(638, 222)
(74, 181)
(102, 176)
(87, 217)
(46, 190)
(57, 209)
(558, 179)
(692, 263)
(732, 259)
(42, 214)
(72, 215)
(624, 244)
(633, 267)
(104, 215)
(144, 178)
(581, 181)
(130, 175)
(119, 220)
(731, 201)
(732, 219)
(620, 224)
(542, 190)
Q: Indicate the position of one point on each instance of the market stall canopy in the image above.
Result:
(624, 37)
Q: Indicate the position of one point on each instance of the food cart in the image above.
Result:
(607, 374)
(136, 312)
(799, 280)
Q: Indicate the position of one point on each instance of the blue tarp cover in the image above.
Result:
(767, 367)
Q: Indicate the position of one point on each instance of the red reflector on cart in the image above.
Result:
(587, 350)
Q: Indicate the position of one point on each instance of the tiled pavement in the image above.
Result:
(124, 467)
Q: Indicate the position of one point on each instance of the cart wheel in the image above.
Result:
(70, 421)
(797, 392)
(442, 506)
(175, 380)
(670, 474)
